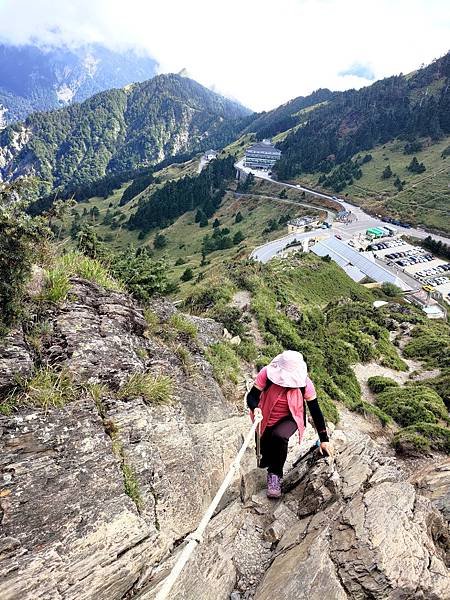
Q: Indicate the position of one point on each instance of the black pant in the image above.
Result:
(274, 444)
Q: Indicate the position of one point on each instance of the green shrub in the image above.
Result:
(367, 408)
(186, 359)
(390, 289)
(131, 484)
(388, 354)
(56, 287)
(224, 362)
(407, 441)
(441, 385)
(152, 319)
(378, 383)
(329, 410)
(248, 351)
(22, 238)
(431, 343)
(409, 405)
(422, 436)
(232, 318)
(212, 296)
(57, 283)
(154, 389)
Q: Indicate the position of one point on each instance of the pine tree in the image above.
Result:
(387, 173)
(187, 275)
(238, 237)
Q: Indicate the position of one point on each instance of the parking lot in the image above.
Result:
(433, 273)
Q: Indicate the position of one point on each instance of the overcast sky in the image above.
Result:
(261, 52)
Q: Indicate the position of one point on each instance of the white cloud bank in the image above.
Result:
(260, 52)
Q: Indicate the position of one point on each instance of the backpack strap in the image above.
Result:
(302, 389)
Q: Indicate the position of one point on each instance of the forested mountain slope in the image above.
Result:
(35, 79)
(118, 130)
(408, 106)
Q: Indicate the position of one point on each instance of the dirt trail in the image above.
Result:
(242, 300)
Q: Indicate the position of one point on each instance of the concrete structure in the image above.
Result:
(210, 155)
(261, 156)
(299, 225)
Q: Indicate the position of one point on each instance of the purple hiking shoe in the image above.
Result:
(273, 486)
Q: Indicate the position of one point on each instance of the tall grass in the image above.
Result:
(154, 389)
(45, 389)
(224, 362)
(76, 264)
(181, 324)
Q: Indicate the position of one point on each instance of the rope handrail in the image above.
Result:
(196, 537)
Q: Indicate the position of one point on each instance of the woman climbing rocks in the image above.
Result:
(279, 392)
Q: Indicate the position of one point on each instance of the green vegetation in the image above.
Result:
(183, 325)
(355, 121)
(141, 274)
(416, 167)
(204, 191)
(342, 176)
(379, 383)
(154, 389)
(187, 275)
(430, 343)
(224, 361)
(46, 388)
(436, 247)
(391, 290)
(423, 437)
(410, 405)
(336, 324)
(22, 239)
(122, 130)
(71, 264)
(131, 484)
(130, 480)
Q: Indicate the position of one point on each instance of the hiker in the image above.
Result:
(279, 392)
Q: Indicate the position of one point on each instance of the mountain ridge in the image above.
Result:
(118, 130)
(34, 78)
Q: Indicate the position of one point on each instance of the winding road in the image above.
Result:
(345, 231)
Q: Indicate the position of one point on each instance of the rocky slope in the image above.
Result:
(357, 528)
(36, 79)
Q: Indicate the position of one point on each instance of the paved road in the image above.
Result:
(364, 220)
(330, 213)
(267, 251)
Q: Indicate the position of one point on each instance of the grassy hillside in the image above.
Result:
(425, 197)
(184, 237)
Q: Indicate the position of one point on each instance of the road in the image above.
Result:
(346, 231)
(330, 213)
(267, 251)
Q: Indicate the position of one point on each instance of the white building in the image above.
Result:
(262, 156)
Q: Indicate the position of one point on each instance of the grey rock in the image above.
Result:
(15, 359)
(376, 538)
(434, 483)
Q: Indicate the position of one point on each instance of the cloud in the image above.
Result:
(258, 51)
(359, 70)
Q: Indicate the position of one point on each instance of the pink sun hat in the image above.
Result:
(288, 369)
